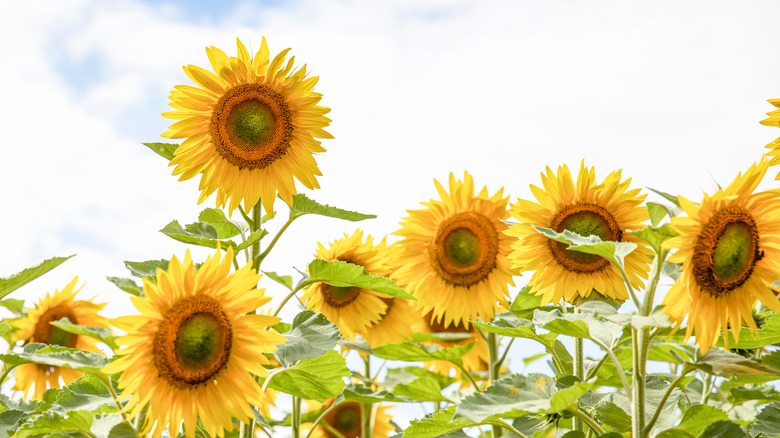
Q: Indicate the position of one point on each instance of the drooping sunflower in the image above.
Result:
(249, 127)
(34, 379)
(192, 352)
(729, 247)
(477, 359)
(453, 255)
(605, 210)
(352, 309)
(346, 419)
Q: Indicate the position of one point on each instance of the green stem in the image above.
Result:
(588, 420)
(493, 370)
(107, 383)
(255, 225)
(511, 428)
(296, 417)
(366, 411)
(579, 372)
(639, 359)
(503, 356)
(326, 425)
(621, 372)
(332, 430)
(6, 371)
(292, 294)
(707, 389)
(264, 254)
(661, 404)
(594, 370)
(468, 374)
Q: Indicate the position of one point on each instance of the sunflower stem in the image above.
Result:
(579, 372)
(661, 404)
(255, 225)
(468, 374)
(503, 356)
(639, 360)
(493, 369)
(512, 429)
(366, 411)
(106, 381)
(6, 371)
(264, 254)
(582, 415)
(296, 417)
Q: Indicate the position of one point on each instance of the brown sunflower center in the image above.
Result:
(48, 334)
(346, 419)
(726, 251)
(586, 220)
(251, 126)
(193, 342)
(465, 248)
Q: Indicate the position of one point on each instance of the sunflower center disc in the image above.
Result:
(251, 126)
(48, 334)
(726, 251)
(345, 419)
(586, 220)
(465, 248)
(193, 342)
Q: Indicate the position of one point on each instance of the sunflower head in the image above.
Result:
(346, 419)
(34, 379)
(586, 208)
(193, 351)
(728, 248)
(351, 308)
(250, 127)
(454, 251)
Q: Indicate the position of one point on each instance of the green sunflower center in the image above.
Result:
(251, 126)
(193, 342)
(49, 334)
(586, 220)
(726, 251)
(465, 248)
(197, 342)
(346, 419)
(251, 122)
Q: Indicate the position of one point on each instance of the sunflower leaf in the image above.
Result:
(40, 425)
(766, 422)
(302, 205)
(417, 384)
(613, 415)
(519, 395)
(164, 150)
(57, 356)
(86, 393)
(311, 335)
(10, 284)
(363, 394)
(437, 424)
(580, 325)
(410, 352)
(518, 328)
(254, 237)
(655, 236)
(225, 227)
(122, 430)
(127, 285)
(726, 364)
(147, 269)
(343, 274)
(199, 233)
(284, 280)
(615, 252)
(524, 303)
(670, 198)
(318, 378)
(103, 335)
(11, 420)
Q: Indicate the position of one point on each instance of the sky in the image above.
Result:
(670, 92)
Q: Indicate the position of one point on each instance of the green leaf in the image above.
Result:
(284, 280)
(410, 352)
(655, 236)
(302, 205)
(164, 150)
(363, 394)
(766, 422)
(4, 328)
(524, 303)
(15, 306)
(10, 284)
(358, 344)
(768, 334)
(441, 336)
(697, 417)
(318, 378)
(105, 423)
(670, 198)
(518, 328)
(20, 404)
(49, 422)
(723, 429)
(580, 325)
(86, 393)
(127, 285)
(519, 395)
(57, 356)
(615, 252)
(656, 212)
(103, 335)
(417, 384)
(250, 240)
(726, 364)
(437, 424)
(674, 433)
(9, 420)
(196, 234)
(311, 335)
(343, 274)
(612, 415)
(122, 430)
(147, 269)
(224, 227)
(763, 394)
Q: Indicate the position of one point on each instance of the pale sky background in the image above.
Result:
(669, 91)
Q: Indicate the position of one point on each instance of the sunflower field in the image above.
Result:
(431, 319)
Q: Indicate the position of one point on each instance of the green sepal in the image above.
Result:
(10, 284)
(16, 307)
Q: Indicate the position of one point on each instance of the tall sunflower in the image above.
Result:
(346, 419)
(729, 247)
(192, 352)
(34, 379)
(605, 210)
(453, 256)
(352, 309)
(250, 127)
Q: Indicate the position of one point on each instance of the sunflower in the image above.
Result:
(352, 309)
(394, 325)
(34, 379)
(477, 359)
(605, 210)
(250, 127)
(453, 255)
(346, 419)
(729, 247)
(192, 352)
